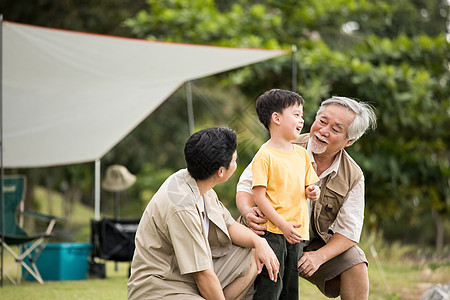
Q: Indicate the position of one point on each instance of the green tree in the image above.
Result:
(394, 55)
(102, 16)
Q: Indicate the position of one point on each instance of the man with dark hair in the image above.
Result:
(332, 260)
(208, 150)
(188, 246)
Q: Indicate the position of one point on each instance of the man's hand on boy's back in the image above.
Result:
(255, 217)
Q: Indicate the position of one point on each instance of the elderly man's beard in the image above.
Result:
(317, 147)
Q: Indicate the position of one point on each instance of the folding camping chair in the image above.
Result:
(29, 246)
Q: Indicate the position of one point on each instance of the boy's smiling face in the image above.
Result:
(291, 121)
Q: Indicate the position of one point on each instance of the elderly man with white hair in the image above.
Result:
(332, 260)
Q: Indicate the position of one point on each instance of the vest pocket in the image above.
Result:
(329, 208)
(330, 205)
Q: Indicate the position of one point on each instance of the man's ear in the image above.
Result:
(221, 171)
(349, 143)
(275, 118)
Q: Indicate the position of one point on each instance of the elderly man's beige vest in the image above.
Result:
(332, 192)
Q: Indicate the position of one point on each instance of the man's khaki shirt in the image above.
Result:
(171, 241)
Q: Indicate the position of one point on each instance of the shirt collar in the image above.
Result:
(333, 169)
(200, 202)
(190, 181)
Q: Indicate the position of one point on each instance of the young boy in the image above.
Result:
(283, 178)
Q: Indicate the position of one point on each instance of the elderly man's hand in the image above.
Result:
(309, 263)
(254, 218)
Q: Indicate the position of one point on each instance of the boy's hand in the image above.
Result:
(289, 232)
(312, 192)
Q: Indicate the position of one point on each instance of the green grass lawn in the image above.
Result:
(403, 280)
(113, 287)
(405, 271)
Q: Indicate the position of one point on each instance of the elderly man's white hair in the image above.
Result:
(365, 116)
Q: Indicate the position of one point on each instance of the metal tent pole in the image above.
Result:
(116, 205)
(294, 68)
(1, 147)
(97, 190)
(190, 109)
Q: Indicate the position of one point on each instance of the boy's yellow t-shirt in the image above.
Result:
(285, 176)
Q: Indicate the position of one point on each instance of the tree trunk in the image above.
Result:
(439, 229)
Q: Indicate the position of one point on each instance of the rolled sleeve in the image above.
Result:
(229, 220)
(349, 220)
(217, 212)
(245, 181)
(190, 246)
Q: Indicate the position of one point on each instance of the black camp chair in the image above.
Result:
(29, 246)
(111, 240)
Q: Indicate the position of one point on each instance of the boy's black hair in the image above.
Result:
(275, 100)
(209, 149)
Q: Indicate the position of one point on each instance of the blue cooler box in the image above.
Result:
(63, 261)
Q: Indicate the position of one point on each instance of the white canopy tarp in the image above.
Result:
(69, 97)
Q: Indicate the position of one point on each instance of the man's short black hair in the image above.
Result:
(275, 100)
(209, 149)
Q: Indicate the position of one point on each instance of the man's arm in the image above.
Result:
(208, 284)
(348, 225)
(264, 255)
(350, 218)
(312, 260)
(252, 215)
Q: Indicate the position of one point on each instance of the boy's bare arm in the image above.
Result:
(288, 229)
